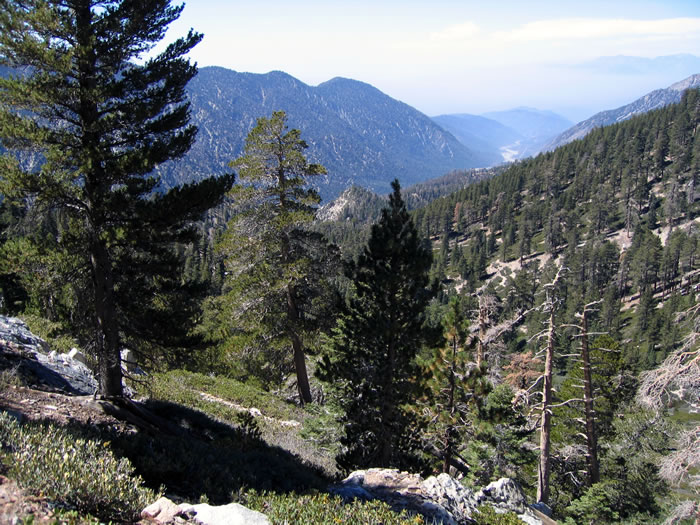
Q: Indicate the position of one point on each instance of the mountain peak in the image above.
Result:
(361, 135)
(686, 83)
(345, 84)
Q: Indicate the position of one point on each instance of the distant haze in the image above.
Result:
(450, 56)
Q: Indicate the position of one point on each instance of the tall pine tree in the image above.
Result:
(102, 116)
(371, 354)
(277, 293)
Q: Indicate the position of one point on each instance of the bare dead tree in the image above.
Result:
(485, 331)
(593, 470)
(487, 305)
(549, 306)
(678, 379)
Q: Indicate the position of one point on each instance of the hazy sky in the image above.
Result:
(450, 56)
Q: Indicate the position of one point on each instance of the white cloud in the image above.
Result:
(462, 31)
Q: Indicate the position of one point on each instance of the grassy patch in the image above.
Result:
(311, 434)
(185, 387)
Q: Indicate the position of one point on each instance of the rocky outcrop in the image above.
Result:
(32, 358)
(504, 494)
(441, 498)
(165, 512)
(68, 373)
(16, 334)
(162, 511)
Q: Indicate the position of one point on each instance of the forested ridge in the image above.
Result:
(536, 321)
(618, 209)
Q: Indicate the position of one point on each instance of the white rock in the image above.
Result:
(129, 363)
(128, 357)
(530, 520)
(162, 511)
(451, 494)
(231, 514)
(77, 355)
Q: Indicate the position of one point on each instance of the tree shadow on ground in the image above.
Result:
(180, 450)
(207, 459)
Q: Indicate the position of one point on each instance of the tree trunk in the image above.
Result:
(107, 329)
(299, 357)
(483, 320)
(591, 438)
(107, 326)
(451, 404)
(543, 472)
(386, 434)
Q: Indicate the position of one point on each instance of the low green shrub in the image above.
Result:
(323, 509)
(81, 474)
(488, 516)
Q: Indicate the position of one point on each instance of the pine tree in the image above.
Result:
(277, 266)
(371, 353)
(102, 116)
(457, 391)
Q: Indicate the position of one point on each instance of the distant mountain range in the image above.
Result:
(482, 134)
(366, 138)
(505, 135)
(362, 136)
(678, 66)
(654, 100)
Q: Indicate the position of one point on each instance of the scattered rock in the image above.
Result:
(65, 373)
(129, 364)
(543, 508)
(68, 373)
(165, 512)
(503, 494)
(451, 495)
(403, 491)
(252, 411)
(441, 498)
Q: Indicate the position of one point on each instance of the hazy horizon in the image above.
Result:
(450, 56)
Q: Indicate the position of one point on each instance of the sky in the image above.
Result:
(458, 56)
